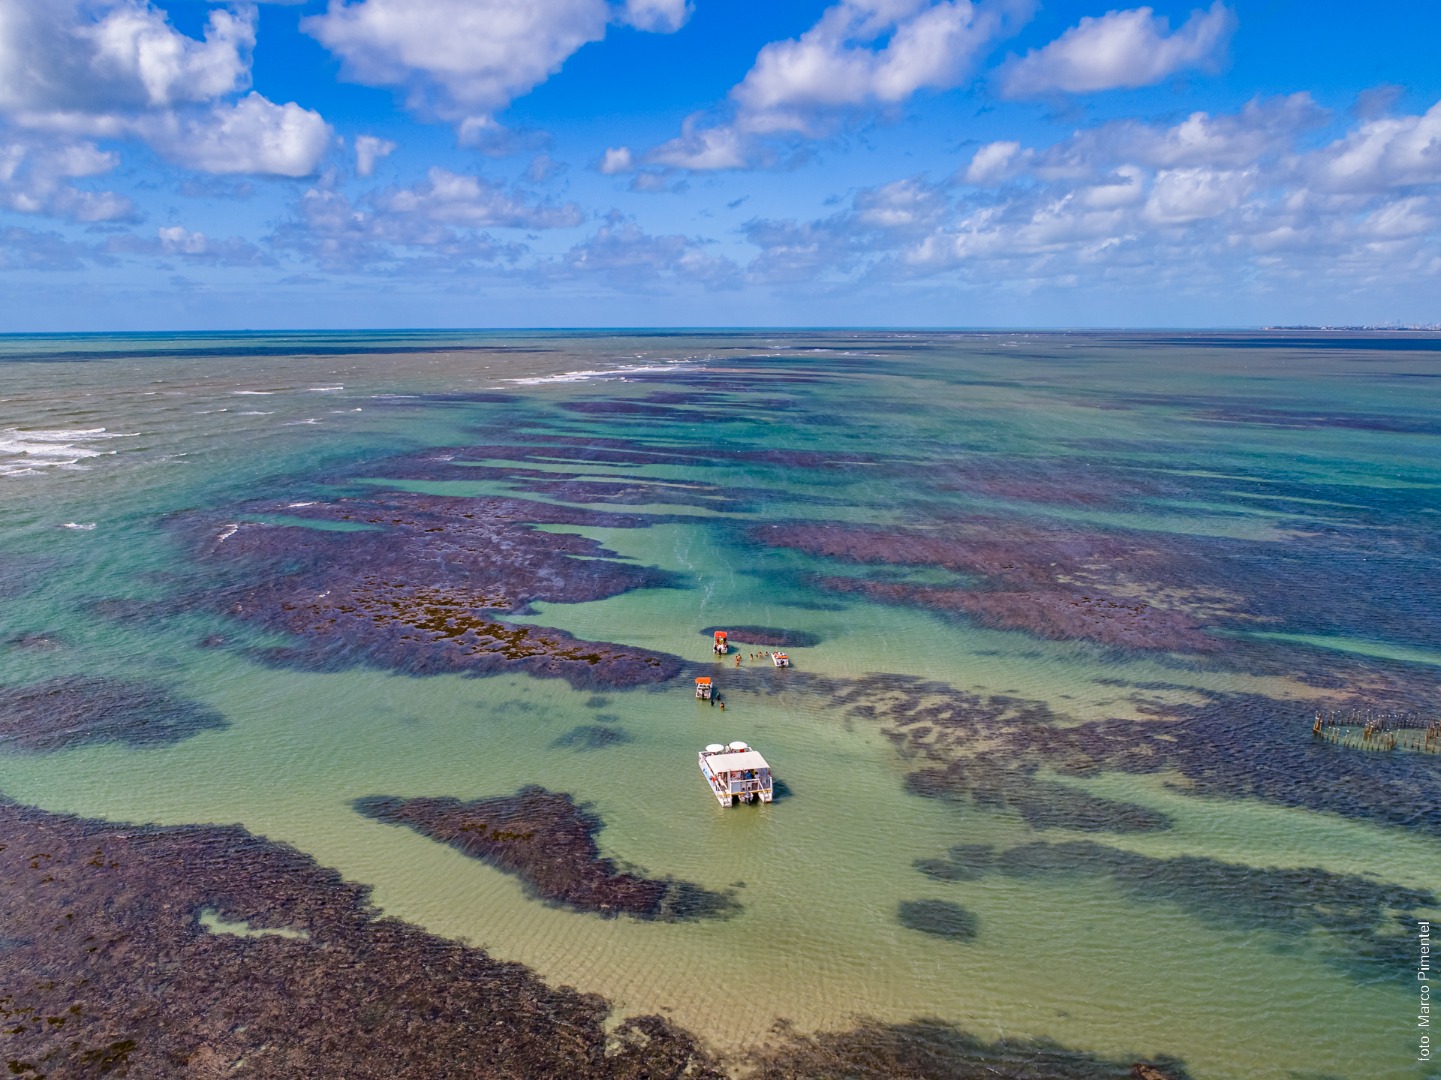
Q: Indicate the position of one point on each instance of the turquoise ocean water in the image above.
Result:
(1279, 494)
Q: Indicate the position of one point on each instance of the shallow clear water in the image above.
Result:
(1315, 457)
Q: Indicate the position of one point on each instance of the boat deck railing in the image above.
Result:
(740, 787)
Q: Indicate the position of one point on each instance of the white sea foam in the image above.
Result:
(28, 453)
(596, 373)
(324, 389)
(254, 393)
(227, 533)
(83, 527)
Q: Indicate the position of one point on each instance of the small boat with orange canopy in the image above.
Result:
(704, 689)
(721, 645)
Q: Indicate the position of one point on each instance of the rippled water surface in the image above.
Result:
(1047, 767)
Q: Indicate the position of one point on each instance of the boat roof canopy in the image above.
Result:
(746, 759)
(704, 681)
(720, 633)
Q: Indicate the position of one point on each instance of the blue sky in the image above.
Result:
(179, 164)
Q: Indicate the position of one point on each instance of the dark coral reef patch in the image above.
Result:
(82, 710)
(420, 584)
(592, 737)
(106, 970)
(996, 751)
(939, 918)
(1366, 923)
(546, 840)
(991, 752)
(773, 636)
(1051, 583)
(931, 1049)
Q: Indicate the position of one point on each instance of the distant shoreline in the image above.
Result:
(1433, 328)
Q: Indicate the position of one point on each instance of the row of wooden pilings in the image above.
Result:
(1370, 729)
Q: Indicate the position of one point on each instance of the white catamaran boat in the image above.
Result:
(736, 773)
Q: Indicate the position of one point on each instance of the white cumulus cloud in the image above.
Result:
(35, 178)
(1204, 203)
(457, 199)
(369, 149)
(860, 54)
(664, 16)
(103, 58)
(624, 255)
(252, 136)
(993, 162)
(615, 160)
(703, 148)
(118, 69)
(870, 50)
(1383, 153)
(466, 59)
(1120, 49)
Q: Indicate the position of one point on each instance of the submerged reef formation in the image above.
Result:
(592, 737)
(106, 970)
(992, 752)
(83, 710)
(931, 1049)
(543, 445)
(420, 584)
(772, 636)
(1368, 922)
(1054, 584)
(939, 918)
(996, 751)
(546, 840)
(35, 639)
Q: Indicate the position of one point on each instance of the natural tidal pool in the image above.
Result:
(380, 649)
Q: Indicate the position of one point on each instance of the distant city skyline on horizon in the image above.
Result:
(170, 165)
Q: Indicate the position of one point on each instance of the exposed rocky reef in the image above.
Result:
(548, 842)
(84, 710)
(107, 971)
(421, 584)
